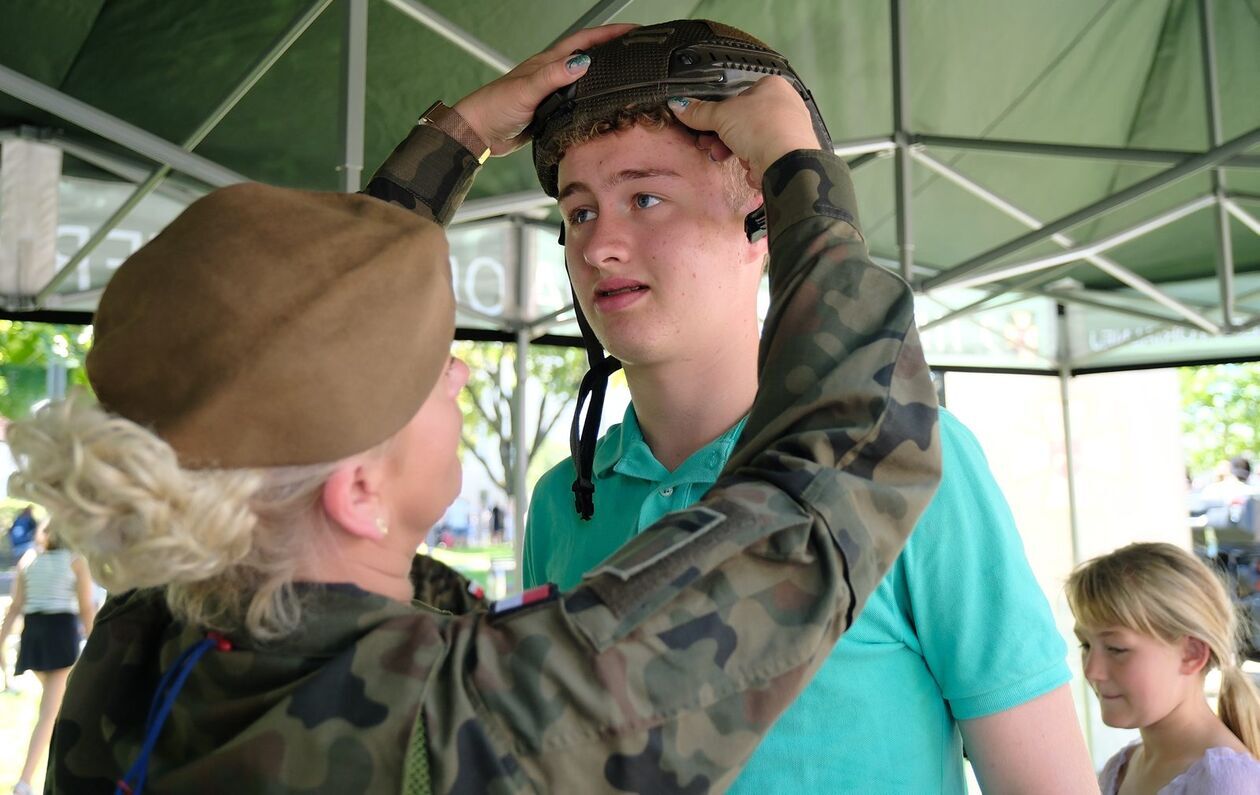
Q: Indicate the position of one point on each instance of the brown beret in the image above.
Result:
(274, 327)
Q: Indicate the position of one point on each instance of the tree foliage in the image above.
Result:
(1221, 413)
(554, 376)
(27, 350)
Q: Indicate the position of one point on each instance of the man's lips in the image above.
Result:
(618, 293)
(614, 286)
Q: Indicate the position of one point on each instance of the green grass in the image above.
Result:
(19, 708)
(474, 562)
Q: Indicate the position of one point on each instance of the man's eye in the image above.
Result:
(646, 200)
(580, 216)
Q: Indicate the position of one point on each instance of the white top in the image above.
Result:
(50, 583)
(1221, 771)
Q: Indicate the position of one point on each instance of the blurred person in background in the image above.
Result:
(22, 533)
(52, 594)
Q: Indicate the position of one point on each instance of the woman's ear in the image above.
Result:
(351, 498)
(1195, 656)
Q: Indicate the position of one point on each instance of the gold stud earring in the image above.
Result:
(381, 526)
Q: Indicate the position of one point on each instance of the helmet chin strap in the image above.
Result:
(584, 433)
(755, 224)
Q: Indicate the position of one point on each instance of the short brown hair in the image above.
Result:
(653, 117)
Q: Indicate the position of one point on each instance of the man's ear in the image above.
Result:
(351, 498)
(1195, 656)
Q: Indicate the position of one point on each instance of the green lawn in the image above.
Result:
(474, 562)
(18, 709)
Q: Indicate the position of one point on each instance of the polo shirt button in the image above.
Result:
(668, 490)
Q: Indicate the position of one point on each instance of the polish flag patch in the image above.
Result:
(532, 596)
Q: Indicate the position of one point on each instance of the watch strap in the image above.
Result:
(448, 120)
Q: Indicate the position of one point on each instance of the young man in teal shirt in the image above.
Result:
(956, 646)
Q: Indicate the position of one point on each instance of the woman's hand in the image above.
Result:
(758, 126)
(500, 110)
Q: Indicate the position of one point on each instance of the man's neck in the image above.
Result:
(684, 404)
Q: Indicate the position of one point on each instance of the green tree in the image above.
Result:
(27, 350)
(1220, 411)
(554, 376)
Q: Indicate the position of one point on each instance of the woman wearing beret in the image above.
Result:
(278, 429)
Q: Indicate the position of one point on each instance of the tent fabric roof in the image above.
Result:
(1093, 73)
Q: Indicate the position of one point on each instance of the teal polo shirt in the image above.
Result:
(958, 629)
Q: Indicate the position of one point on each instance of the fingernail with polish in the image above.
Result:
(679, 103)
(578, 62)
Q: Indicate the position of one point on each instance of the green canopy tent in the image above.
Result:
(1071, 186)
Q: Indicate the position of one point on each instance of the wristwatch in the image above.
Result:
(449, 121)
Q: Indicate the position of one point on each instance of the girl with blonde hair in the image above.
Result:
(1153, 620)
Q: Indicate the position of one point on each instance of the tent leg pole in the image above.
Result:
(1065, 403)
(353, 94)
(901, 112)
(520, 444)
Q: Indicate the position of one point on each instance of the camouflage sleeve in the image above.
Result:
(665, 667)
(440, 586)
(428, 173)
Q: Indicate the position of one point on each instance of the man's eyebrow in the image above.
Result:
(570, 189)
(624, 175)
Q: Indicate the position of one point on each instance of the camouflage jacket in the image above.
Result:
(662, 670)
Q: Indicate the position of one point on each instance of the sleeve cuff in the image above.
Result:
(805, 183)
(428, 173)
(1004, 698)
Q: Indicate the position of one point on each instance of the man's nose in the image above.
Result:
(608, 242)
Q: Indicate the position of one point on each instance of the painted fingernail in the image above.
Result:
(679, 103)
(578, 62)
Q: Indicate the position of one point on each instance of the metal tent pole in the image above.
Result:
(260, 68)
(453, 33)
(506, 204)
(1224, 245)
(520, 445)
(1145, 227)
(1112, 268)
(353, 94)
(1118, 154)
(901, 113)
(111, 128)
(597, 14)
(1136, 191)
(1248, 220)
(1065, 403)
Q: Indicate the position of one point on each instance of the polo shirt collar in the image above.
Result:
(623, 450)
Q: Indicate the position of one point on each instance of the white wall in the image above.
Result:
(1129, 468)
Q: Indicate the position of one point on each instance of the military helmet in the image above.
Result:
(643, 69)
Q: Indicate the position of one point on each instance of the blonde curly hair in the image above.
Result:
(225, 545)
